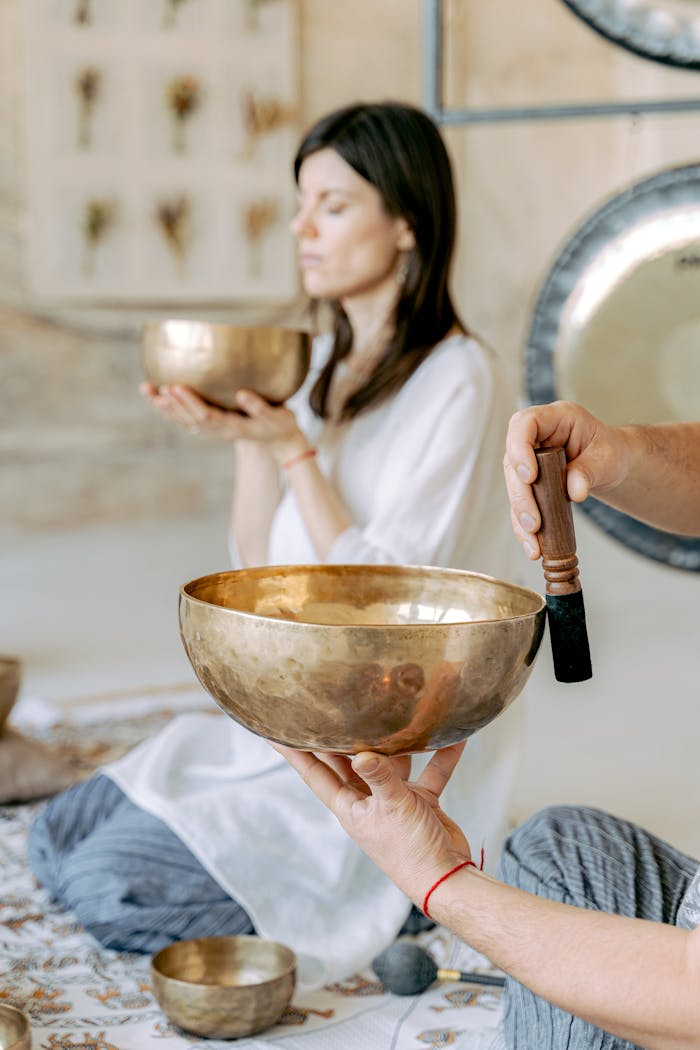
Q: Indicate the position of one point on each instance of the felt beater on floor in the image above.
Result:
(405, 968)
(565, 611)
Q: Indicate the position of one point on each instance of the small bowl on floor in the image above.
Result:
(10, 675)
(224, 987)
(15, 1030)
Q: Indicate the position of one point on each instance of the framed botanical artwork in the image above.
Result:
(160, 142)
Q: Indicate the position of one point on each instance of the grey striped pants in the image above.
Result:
(130, 881)
(593, 860)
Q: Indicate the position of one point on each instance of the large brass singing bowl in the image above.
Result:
(218, 360)
(224, 987)
(346, 658)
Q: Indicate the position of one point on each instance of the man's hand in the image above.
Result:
(598, 459)
(398, 824)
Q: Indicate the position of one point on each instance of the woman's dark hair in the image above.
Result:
(399, 150)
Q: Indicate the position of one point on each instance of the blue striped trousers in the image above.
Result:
(593, 860)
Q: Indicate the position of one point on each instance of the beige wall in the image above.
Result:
(76, 444)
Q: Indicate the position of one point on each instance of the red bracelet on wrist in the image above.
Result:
(452, 871)
(309, 453)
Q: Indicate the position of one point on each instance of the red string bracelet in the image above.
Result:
(464, 864)
(309, 453)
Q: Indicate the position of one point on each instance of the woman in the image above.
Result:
(391, 452)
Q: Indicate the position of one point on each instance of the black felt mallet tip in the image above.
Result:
(405, 968)
(565, 612)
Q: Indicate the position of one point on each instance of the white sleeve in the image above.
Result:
(444, 457)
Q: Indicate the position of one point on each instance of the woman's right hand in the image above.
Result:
(182, 406)
(274, 426)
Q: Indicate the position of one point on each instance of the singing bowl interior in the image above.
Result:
(224, 987)
(217, 360)
(346, 658)
(15, 1030)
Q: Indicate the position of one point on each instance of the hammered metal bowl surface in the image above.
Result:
(217, 360)
(15, 1030)
(10, 676)
(346, 658)
(224, 987)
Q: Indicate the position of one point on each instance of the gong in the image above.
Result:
(664, 30)
(616, 327)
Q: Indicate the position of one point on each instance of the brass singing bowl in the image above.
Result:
(224, 987)
(218, 360)
(10, 675)
(346, 658)
(15, 1030)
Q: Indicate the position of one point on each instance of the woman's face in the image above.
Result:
(348, 245)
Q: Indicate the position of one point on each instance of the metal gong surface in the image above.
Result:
(616, 327)
(666, 31)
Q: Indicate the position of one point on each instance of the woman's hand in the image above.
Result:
(257, 420)
(398, 824)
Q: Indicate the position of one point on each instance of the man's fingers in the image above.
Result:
(578, 484)
(342, 765)
(381, 776)
(440, 768)
(323, 781)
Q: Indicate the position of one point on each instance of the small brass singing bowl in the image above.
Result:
(15, 1030)
(10, 676)
(224, 987)
(218, 360)
(346, 658)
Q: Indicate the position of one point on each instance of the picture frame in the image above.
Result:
(159, 150)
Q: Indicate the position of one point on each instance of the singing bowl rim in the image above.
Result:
(22, 1038)
(385, 570)
(289, 968)
(221, 328)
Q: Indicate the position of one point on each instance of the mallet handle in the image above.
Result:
(556, 535)
(470, 978)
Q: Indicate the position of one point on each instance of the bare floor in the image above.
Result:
(93, 611)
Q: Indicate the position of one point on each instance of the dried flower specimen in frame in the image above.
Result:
(183, 98)
(171, 11)
(98, 217)
(173, 219)
(138, 114)
(88, 83)
(260, 116)
(258, 217)
(252, 14)
(82, 15)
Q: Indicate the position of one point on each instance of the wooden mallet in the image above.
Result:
(565, 611)
(405, 968)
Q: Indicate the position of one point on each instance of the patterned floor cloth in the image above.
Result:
(79, 996)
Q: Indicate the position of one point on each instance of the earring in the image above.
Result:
(402, 270)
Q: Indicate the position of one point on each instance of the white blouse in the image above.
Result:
(421, 475)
